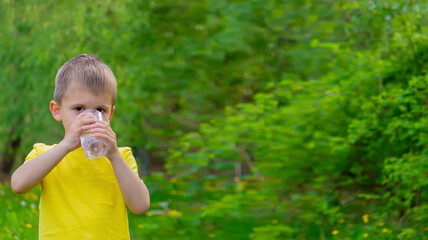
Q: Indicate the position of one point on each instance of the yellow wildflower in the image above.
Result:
(140, 225)
(365, 218)
(173, 180)
(385, 230)
(341, 220)
(28, 225)
(365, 235)
(31, 196)
(274, 221)
(149, 213)
(241, 185)
(211, 235)
(380, 224)
(174, 213)
(335, 232)
(173, 192)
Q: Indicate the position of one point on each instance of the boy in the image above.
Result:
(80, 198)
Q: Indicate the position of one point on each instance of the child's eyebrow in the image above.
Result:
(103, 106)
(77, 105)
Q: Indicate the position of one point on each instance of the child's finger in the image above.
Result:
(87, 116)
(102, 125)
(85, 120)
(104, 132)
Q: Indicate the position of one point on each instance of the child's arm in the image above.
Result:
(133, 189)
(31, 173)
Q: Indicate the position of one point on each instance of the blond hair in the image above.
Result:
(86, 71)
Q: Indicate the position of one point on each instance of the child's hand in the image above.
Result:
(103, 130)
(82, 124)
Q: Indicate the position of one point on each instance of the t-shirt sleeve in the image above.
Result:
(38, 149)
(129, 158)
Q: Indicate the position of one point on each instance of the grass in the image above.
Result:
(19, 216)
(174, 216)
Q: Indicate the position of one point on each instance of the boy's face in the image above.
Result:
(77, 100)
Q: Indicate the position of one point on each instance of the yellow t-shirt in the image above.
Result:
(81, 199)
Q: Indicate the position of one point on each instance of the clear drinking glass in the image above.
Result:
(94, 148)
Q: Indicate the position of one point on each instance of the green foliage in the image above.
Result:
(341, 148)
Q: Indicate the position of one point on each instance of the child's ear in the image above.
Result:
(55, 110)
(111, 113)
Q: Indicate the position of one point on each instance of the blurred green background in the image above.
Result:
(297, 119)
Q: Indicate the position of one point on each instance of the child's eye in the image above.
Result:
(100, 110)
(79, 109)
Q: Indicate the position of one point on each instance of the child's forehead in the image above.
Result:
(95, 90)
(80, 92)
